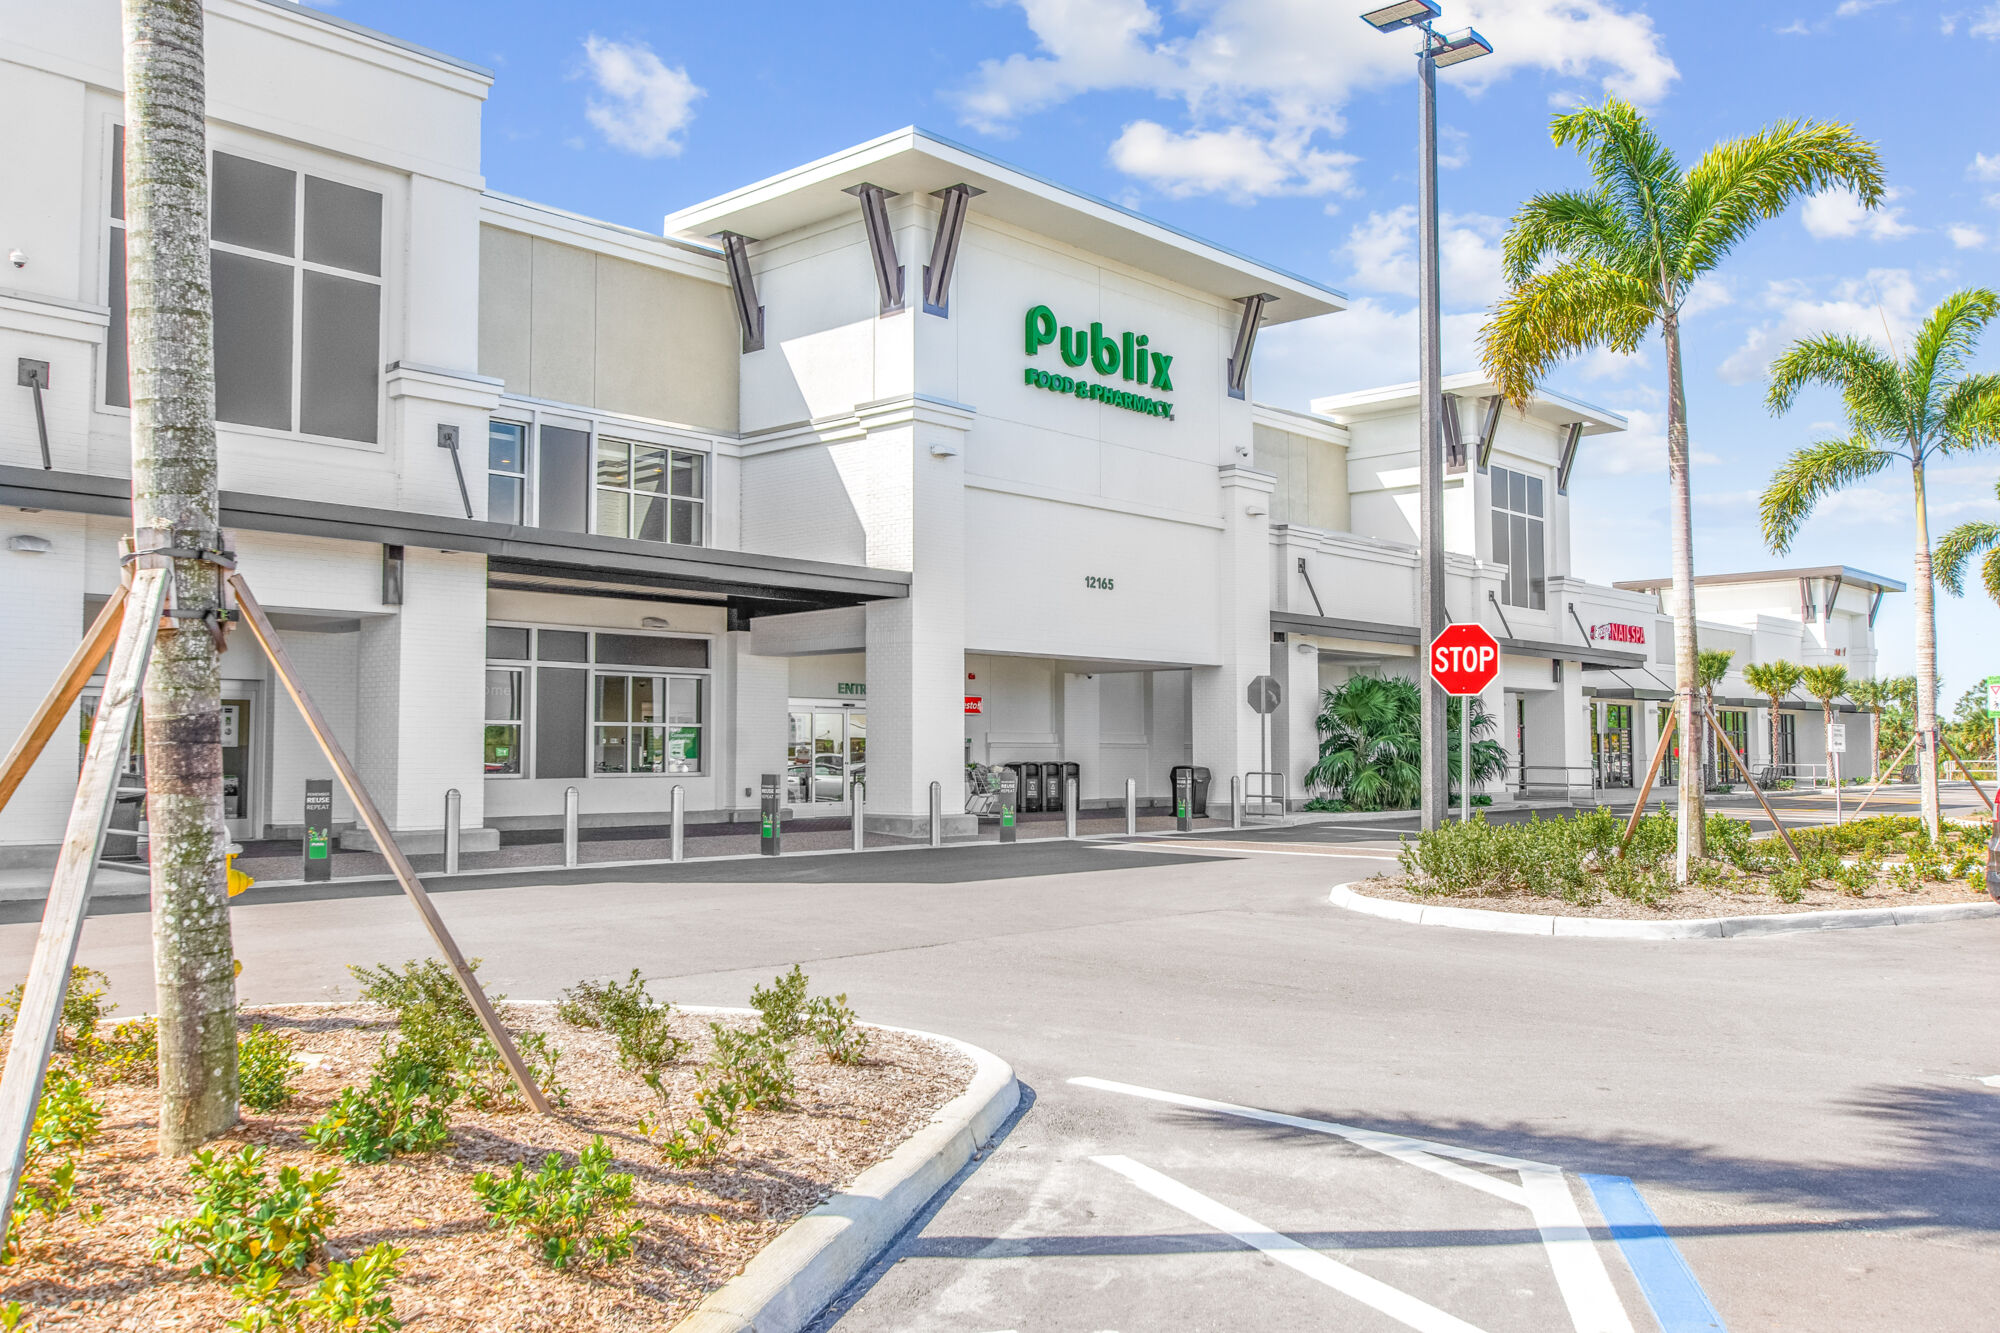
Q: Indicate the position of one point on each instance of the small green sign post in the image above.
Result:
(770, 838)
(1009, 791)
(319, 831)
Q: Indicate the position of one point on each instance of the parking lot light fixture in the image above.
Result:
(1401, 14)
(1434, 51)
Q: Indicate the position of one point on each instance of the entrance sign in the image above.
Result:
(1464, 659)
(319, 830)
(1266, 694)
(1836, 738)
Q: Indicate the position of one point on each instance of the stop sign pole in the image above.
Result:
(1464, 660)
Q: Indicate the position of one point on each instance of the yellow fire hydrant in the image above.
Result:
(238, 881)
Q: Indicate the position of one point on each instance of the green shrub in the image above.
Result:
(404, 1109)
(244, 1230)
(349, 1299)
(699, 1139)
(1575, 858)
(782, 1005)
(128, 1053)
(1789, 883)
(66, 1122)
(437, 1028)
(640, 1024)
(758, 1064)
(82, 1007)
(572, 1211)
(1853, 879)
(265, 1068)
(836, 1030)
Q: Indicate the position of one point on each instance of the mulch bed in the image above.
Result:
(460, 1276)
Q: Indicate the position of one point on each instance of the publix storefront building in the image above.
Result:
(897, 462)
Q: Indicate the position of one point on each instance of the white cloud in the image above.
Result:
(1454, 148)
(1383, 250)
(1849, 8)
(1965, 236)
(1370, 343)
(1985, 167)
(1232, 162)
(1796, 28)
(1834, 214)
(1283, 73)
(644, 105)
(1605, 364)
(1987, 23)
(1707, 294)
(1885, 301)
(1639, 450)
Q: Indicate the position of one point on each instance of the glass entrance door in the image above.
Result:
(236, 767)
(829, 749)
(1613, 746)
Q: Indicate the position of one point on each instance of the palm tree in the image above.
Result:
(1489, 757)
(1961, 546)
(171, 337)
(1774, 680)
(1915, 408)
(1600, 268)
(1710, 666)
(1826, 683)
(1872, 696)
(1368, 748)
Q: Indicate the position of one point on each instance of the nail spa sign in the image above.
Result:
(1126, 357)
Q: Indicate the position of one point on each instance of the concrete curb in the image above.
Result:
(1714, 927)
(797, 1275)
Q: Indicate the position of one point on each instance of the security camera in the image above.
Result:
(18, 258)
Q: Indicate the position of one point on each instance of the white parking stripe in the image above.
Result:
(1366, 854)
(1398, 1305)
(1579, 1270)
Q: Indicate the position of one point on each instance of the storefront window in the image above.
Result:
(1518, 537)
(592, 713)
(649, 493)
(505, 689)
(647, 724)
(506, 472)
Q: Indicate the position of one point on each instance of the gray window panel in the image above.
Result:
(506, 446)
(687, 475)
(505, 644)
(612, 692)
(503, 499)
(612, 513)
(650, 650)
(649, 469)
(117, 366)
(687, 523)
(1517, 492)
(1535, 496)
(563, 471)
(649, 518)
(1537, 578)
(343, 226)
(685, 701)
(503, 695)
(253, 340)
(563, 645)
(252, 204)
(614, 463)
(1517, 546)
(562, 731)
(343, 339)
(1499, 540)
(117, 171)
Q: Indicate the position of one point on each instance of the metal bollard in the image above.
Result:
(1235, 801)
(677, 824)
(451, 818)
(857, 796)
(1131, 807)
(1069, 808)
(571, 804)
(937, 814)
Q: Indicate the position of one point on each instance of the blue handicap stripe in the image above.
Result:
(1665, 1279)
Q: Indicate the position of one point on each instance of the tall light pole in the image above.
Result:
(1435, 52)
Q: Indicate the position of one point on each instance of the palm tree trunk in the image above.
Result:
(1689, 844)
(174, 487)
(1927, 760)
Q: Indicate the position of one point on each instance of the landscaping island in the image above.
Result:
(1571, 867)
(396, 1179)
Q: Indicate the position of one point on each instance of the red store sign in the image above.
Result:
(1613, 632)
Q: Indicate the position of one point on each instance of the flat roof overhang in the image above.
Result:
(522, 558)
(912, 161)
(1287, 622)
(1847, 574)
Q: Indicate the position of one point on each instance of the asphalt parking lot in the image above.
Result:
(1248, 1109)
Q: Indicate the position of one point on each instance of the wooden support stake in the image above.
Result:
(62, 697)
(1755, 790)
(1965, 770)
(399, 865)
(1652, 771)
(1884, 776)
(69, 890)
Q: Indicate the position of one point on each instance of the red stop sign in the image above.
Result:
(1464, 659)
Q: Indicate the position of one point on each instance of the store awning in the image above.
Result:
(750, 584)
(1589, 655)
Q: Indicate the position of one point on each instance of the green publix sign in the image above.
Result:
(1127, 356)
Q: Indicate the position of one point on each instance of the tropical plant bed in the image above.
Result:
(1571, 867)
(459, 1273)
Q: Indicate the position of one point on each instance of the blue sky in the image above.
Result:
(1286, 129)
